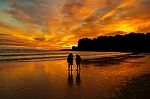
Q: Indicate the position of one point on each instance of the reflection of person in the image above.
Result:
(70, 61)
(78, 80)
(70, 78)
(78, 60)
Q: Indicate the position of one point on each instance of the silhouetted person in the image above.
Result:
(78, 80)
(78, 60)
(70, 78)
(70, 61)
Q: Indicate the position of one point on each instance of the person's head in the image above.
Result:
(70, 53)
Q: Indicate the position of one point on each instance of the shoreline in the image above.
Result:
(49, 58)
(92, 59)
(118, 57)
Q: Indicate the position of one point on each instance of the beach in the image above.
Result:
(117, 76)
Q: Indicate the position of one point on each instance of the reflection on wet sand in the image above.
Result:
(78, 80)
(50, 79)
(136, 88)
(71, 79)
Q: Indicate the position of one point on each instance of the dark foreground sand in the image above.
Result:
(124, 77)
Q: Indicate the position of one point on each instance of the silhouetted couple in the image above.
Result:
(70, 61)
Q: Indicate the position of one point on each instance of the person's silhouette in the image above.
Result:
(78, 60)
(70, 61)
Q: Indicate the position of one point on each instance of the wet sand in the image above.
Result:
(124, 77)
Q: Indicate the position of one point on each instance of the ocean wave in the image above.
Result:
(9, 57)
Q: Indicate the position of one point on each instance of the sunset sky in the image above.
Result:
(58, 24)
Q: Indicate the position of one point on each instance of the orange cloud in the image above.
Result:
(56, 24)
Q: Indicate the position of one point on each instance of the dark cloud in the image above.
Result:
(72, 7)
(33, 12)
(4, 34)
(40, 39)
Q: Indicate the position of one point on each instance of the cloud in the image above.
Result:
(33, 12)
(60, 23)
(40, 39)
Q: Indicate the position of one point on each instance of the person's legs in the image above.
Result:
(71, 67)
(77, 67)
(68, 67)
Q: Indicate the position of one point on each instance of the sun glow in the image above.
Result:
(125, 28)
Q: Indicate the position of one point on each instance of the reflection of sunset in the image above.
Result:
(54, 24)
(48, 78)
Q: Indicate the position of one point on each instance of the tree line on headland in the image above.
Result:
(133, 42)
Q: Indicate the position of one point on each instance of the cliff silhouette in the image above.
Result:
(132, 42)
